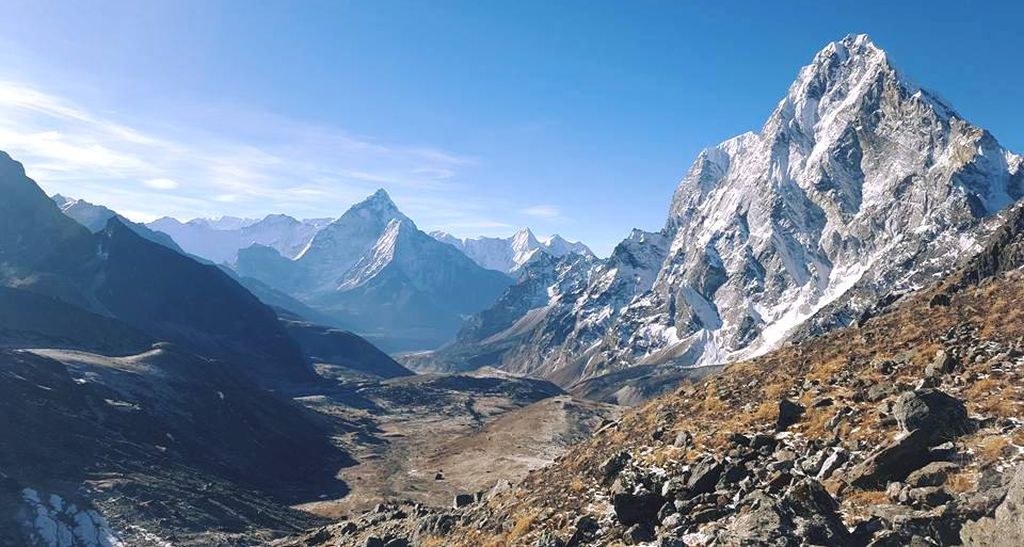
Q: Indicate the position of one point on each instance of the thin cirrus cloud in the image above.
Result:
(295, 168)
(549, 212)
(162, 183)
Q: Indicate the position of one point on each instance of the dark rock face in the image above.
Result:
(893, 461)
(638, 507)
(462, 500)
(806, 511)
(789, 414)
(343, 349)
(704, 477)
(1004, 251)
(227, 450)
(933, 474)
(154, 289)
(584, 531)
(1005, 527)
(939, 416)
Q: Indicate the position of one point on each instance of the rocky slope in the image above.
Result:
(510, 254)
(903, 429)
(374, 272)
(158, 446)
(115, 273)
(860, 184)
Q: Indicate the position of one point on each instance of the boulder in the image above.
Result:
(940, 416)
(639, 533)
(893, 461)
(704, 476)
(584, 531)
(933, 474)
(925, 496)
(834, 460)
(762, 440)
(683, 439)
(806, 511)
(879, 391)
(790, 413)
(638, 505)
(942, 364)
(462, 500)
(1006, 526)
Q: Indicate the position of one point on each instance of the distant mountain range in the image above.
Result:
(371, 270)
(219, 240)
(510, 254)
(374, 272)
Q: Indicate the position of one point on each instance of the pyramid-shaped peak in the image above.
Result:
(524, 239)
(377, 205)
(380, 197)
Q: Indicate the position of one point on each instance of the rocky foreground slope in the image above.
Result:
(902, 429)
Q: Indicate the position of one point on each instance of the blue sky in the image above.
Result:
(576, 117)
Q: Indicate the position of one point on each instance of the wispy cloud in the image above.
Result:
(542, 211)
(280, 165)
(162, 183)
(246, 164)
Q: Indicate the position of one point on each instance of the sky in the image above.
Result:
(479, 117)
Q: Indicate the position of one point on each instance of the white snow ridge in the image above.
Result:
(858, 184)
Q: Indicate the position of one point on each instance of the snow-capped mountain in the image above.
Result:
(859, 184)
(219, 240)
(374, 272)
(510, 254)
(95, 218)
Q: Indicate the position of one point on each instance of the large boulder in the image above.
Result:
(940, 416)
(893, 461)
(704, 476)
(636, 507)
(933, 474)
(806, 511)
(634, 501)
(790, 413)
(1006, 526)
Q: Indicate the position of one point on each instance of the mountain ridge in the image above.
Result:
(374, 272)
(858, 184)
(510, 254)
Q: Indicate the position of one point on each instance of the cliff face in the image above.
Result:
(859, 184)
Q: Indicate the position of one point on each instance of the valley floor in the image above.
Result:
(429, 438)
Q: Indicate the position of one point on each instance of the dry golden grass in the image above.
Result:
(962, 481)
(522, 526)
(1018, 437)
(863, 498)
(577, 485)
(991, 449)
